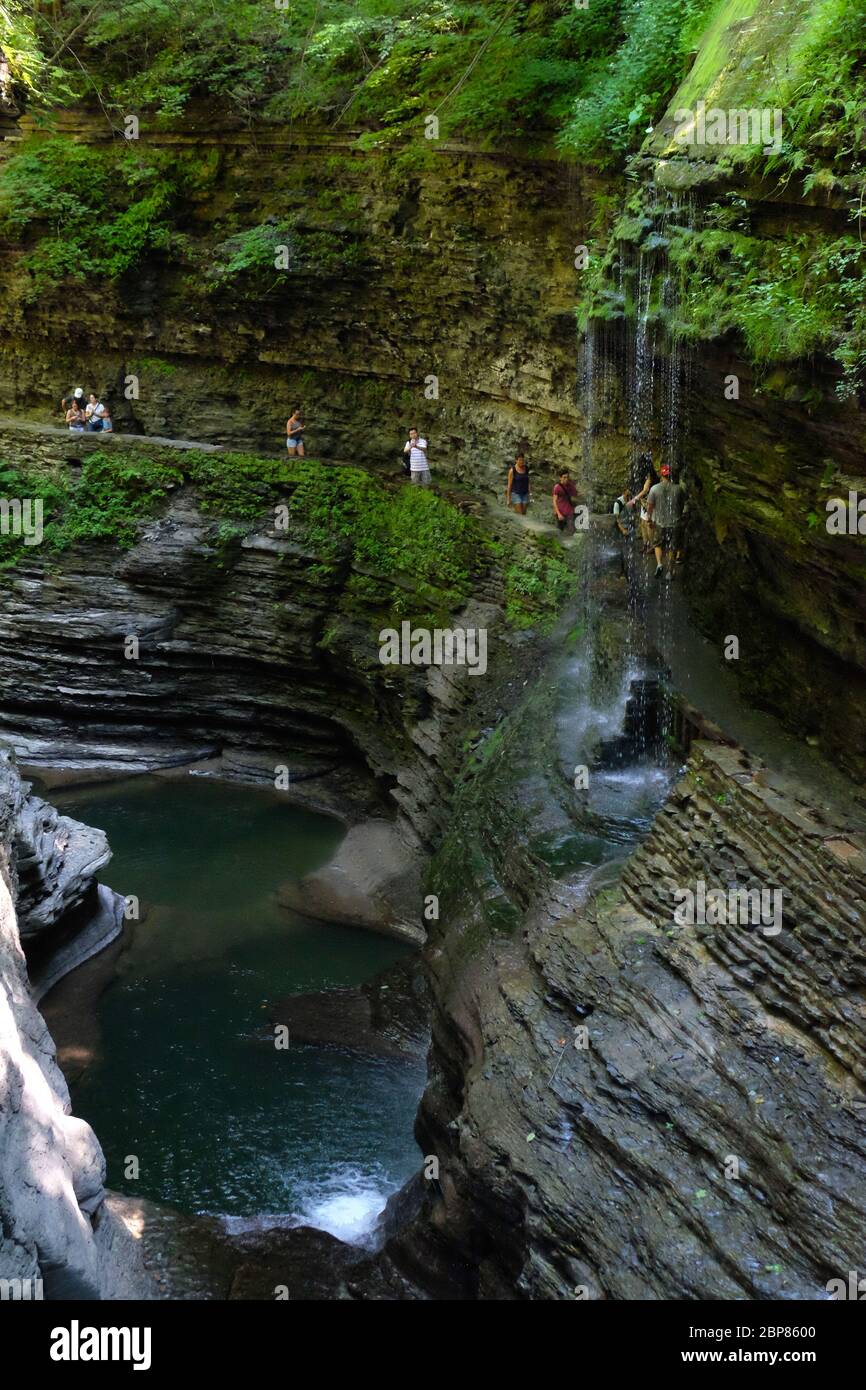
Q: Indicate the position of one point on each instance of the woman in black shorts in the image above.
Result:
(517, 487)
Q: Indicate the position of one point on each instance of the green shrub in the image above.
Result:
(248, 260)
(788, 298)
(106, 502)
(539, 580)
(630, 91)
(492, 68)
(87, 210)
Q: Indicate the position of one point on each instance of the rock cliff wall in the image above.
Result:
(463, 273)
(54, 1227)
(603, 1169)
(259, 647)
(723, 311)
(703, 1139)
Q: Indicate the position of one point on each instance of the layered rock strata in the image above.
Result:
(703, 1137)
(56, 1237)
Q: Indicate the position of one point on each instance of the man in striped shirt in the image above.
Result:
(419, 468)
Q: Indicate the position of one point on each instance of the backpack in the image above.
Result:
(629, 521)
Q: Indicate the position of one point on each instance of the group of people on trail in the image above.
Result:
(518, 494)
(661, 505)
(92, 415)
(660, 502)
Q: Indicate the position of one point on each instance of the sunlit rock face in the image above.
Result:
(52, 1169)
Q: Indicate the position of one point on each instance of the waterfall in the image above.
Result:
(634, 386)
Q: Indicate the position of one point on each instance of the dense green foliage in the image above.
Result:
(21, 42)
(539, 580)
(788, 292)
(411, 552)
(499, 67)
(106, 502)
(405, 534)
(491, 69)
(786, 297)
(596, 79)
(824, 102)
(85, 211)
(98, 209)
(630, 90)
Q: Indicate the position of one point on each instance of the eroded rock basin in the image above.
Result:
(179, 1072)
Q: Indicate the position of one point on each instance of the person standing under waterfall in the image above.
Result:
(650, 478)
(623, 520)
(517, 487)
(665, 505)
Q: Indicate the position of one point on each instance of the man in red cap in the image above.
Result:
(665, 503)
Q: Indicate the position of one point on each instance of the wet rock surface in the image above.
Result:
(52, 1224)
(196, 1258)
(703, 1138)
(373, 881)
(388, 1015)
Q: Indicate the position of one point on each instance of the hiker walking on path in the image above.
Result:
(650, 478)
(665, 504)
(623, 519)
(419, 468)
(517, 487)
(295, 434)
(564, 498)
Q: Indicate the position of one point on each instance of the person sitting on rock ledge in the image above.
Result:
(95, 413)
(76, 418)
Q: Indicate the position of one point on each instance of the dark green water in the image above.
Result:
(220, 1120)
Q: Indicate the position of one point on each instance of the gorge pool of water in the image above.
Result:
(188, 1079)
